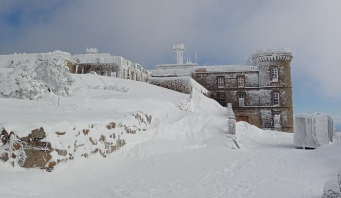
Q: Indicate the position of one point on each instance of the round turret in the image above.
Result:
(275, 82)
(269, 55)
(274, 66)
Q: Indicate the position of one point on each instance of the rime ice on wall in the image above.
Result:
(269, 55)
(277, 121)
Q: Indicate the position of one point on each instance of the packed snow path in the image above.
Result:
(271, 168)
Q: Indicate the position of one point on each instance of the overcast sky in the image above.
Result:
(221, 31)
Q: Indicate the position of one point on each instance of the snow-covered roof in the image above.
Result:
(178, 65)
(226, 68)
(95, 58)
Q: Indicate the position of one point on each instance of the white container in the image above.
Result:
(311, 131)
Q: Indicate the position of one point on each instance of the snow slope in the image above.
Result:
(183, 153)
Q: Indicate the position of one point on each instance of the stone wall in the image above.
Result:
(44, 148)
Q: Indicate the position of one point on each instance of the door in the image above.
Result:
(242, 118)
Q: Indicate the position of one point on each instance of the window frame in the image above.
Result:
(272, 68)
(243, 80)
(238, 98)
(276, 98)
(220, 81)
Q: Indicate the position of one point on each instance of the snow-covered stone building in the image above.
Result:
(260, 91)
(101, 63)
(108, 65)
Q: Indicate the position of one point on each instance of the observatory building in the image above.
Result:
(260, 91)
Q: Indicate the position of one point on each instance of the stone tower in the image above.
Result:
(275, 78)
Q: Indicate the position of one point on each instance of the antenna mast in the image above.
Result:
(179, 48)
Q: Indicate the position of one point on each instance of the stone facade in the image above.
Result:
(260, 92)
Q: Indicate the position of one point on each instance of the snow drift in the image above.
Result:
(102, 115)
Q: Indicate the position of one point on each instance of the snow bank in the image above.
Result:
(79, 125)
(332, 188)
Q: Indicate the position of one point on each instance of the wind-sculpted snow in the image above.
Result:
(72, 124)
(175, 145)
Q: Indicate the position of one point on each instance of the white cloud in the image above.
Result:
(223, 32)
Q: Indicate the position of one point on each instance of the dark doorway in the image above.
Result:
(221, 98)
(242, 118)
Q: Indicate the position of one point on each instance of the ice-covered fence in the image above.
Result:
(180, 84)
(311, 131)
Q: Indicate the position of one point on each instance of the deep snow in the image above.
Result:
(184, 153)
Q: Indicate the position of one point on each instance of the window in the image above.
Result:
(241, 99)
(221, 98)
(241, 82)
(221, 82)
(276, 99)
(274, 73)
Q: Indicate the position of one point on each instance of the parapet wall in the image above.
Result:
(269, 55)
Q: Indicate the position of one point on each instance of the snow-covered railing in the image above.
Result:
(231, 119)
(172, 72)
(226, 68)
